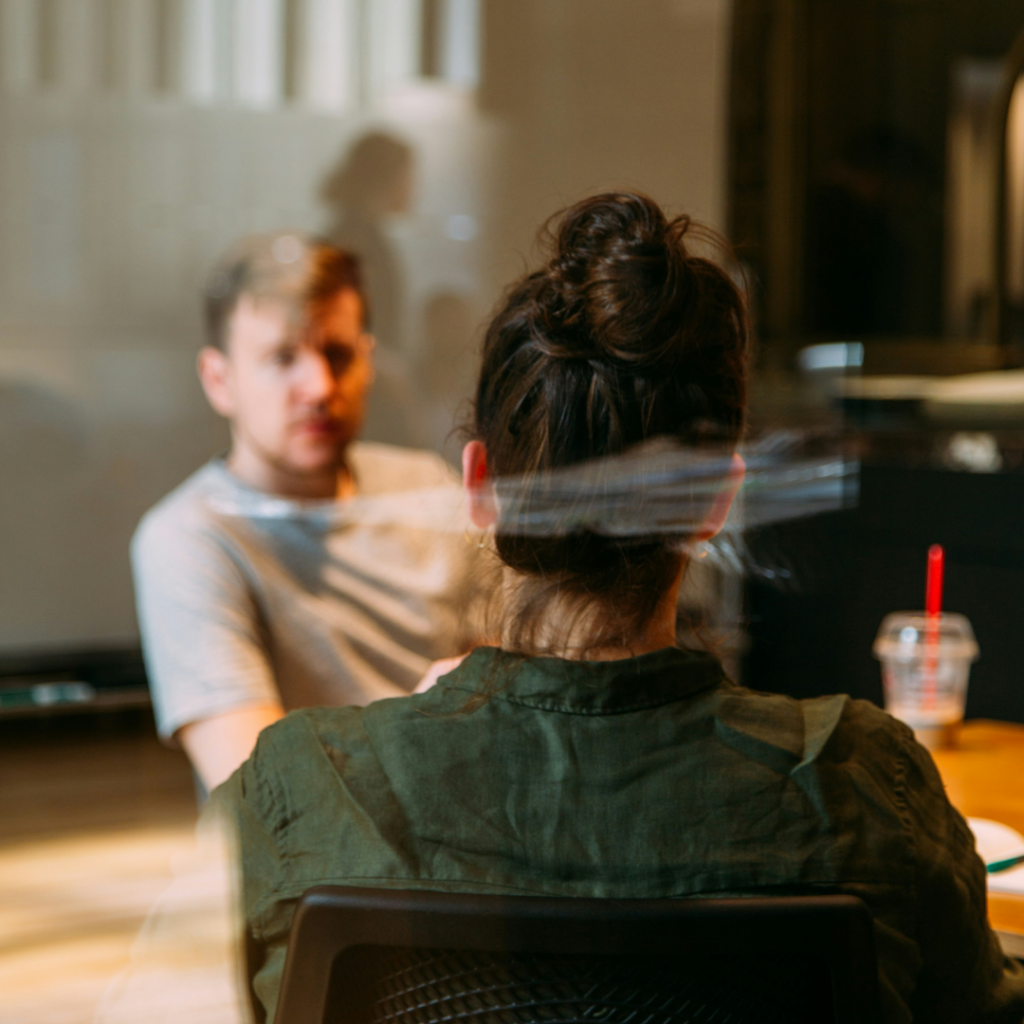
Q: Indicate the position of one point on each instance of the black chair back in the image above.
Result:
(381, 956)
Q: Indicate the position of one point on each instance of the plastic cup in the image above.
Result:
(926, 660)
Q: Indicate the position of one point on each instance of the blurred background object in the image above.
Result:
(876, 176)
(864, 143)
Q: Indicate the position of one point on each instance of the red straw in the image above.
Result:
(933, 588)
(932, 610)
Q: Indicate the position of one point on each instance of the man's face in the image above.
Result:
(294, 387)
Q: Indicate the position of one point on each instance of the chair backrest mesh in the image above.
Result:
(404, 985)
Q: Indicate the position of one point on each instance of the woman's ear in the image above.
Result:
(483, 509)
(723, 500)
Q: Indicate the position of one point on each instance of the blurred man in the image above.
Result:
(265, 581)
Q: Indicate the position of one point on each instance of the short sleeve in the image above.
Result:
(201, 630)
(965, 976)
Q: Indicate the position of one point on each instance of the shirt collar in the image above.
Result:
(585, 687)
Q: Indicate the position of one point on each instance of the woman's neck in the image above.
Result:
(567, 631)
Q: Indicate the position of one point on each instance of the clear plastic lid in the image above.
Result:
(902, 636)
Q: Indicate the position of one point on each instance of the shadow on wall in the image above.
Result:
(373, 181)
(41, 433)
(44, 505)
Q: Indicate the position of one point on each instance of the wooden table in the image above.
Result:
(984, 778)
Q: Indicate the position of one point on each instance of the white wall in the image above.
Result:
(599, 94)
(119, 186)
(162, 130)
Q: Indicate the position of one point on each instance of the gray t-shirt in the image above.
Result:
(246, 598)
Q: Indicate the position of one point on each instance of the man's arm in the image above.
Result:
(209, 670)
(216, 746)
(438, 669)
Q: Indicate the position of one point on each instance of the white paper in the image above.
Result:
(996, 842)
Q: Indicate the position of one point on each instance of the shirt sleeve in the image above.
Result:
(965, 977)
(202, 635)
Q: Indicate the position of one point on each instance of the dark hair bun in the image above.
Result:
(623, 336)
(616, 283)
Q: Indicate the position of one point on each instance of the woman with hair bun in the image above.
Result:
(587, 754)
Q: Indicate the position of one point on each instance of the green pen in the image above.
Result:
(1002, 865)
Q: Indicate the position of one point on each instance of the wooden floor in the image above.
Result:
(94, 814)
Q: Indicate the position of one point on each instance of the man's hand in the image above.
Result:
(217, 746)
(438, 669)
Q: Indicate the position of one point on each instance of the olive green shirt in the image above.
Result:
(650, 777)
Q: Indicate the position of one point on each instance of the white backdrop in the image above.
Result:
(141, 137)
